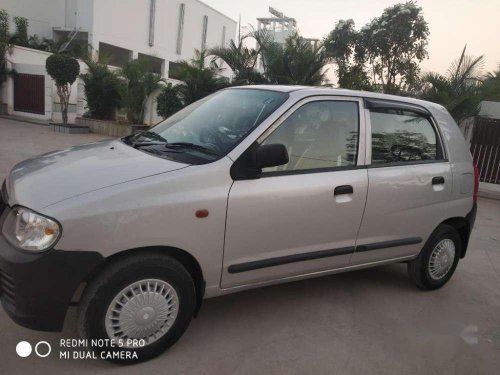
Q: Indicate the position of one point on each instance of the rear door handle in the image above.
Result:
(439, 180)
(343, 189)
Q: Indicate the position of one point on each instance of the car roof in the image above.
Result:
(304, 91)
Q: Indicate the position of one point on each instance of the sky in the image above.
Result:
(452, 23)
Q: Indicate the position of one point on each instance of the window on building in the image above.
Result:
(204, 33)
(152, 64)
(319, 135)
(180, 28)
(113, 55)
(402, 136)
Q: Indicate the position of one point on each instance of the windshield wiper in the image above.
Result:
(144, 144)
(193, 146)
(152, 135)
(145, 138)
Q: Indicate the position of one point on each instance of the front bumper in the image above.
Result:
(36, 289)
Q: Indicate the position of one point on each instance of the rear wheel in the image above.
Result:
(438, 260)
(143, 303)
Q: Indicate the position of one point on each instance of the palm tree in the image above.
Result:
(139, 85)
(490, 89)
(296, 62)
(199, 79)
(241, 60)
(459, 89)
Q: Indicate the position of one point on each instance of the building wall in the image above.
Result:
(29, 61)
(41, 14)
(490, 109)
(120, 23)
(125, 24)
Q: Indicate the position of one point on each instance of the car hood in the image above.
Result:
(59, 175)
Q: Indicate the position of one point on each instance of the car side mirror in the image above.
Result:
(271, 155)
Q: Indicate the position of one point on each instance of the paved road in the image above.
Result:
(364, 322)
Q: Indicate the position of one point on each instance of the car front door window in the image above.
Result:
(318, 135)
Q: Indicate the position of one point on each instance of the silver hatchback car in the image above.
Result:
(248, 187)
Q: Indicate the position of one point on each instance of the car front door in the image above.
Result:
(302, 217)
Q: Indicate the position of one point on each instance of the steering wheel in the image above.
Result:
(211, 138)
(413, 152)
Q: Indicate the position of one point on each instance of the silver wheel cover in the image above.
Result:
(144, 310)
(441, 259)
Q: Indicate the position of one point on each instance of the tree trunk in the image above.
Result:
(64, 92)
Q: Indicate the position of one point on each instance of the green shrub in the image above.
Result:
(101, 90)
(168, 101)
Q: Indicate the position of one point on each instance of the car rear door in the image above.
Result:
(302, 217)
(409, 182)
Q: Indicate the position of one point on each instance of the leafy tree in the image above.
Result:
(4, 45)
(490, 89)
(139, 85)
(459, 90)
(393, 45)
(199, 79)
(102, 90)
(344, 47)
(64, 70)
(20, 37)
(168, 102)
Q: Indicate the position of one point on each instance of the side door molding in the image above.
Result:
(278, 261)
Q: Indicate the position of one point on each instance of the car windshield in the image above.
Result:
(211, 127)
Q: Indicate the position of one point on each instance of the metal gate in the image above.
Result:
(29, 93)
(485, 149)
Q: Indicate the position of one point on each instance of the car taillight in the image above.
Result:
(476, 182)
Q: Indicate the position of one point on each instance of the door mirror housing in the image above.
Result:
(249, 165)
(271, 155)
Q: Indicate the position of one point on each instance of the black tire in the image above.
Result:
(116, 276)
(418, 269)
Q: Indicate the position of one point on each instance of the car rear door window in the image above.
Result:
(402, 136)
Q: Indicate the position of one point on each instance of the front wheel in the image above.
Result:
(438, 260)
(138, 307)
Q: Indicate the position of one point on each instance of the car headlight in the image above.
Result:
(29, 230)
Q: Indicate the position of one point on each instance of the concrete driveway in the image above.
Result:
(364, 322)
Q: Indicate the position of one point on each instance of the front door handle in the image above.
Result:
(439, 180)
(343, 189)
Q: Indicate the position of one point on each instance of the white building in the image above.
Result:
(163, 31)
(279, 26)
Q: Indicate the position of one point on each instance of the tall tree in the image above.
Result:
(20, 36)
(394, 44)
(459, 90)
(344, 47)
(4, 45)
